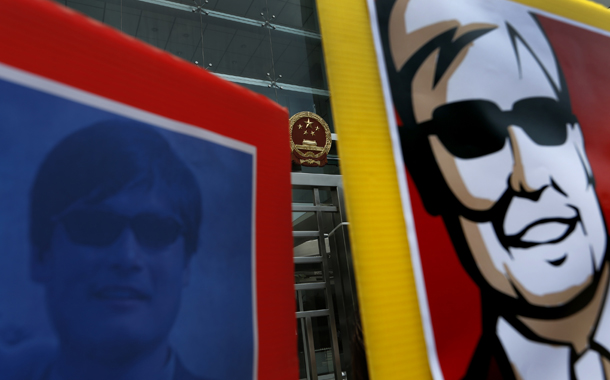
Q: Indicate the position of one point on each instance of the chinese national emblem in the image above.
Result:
(310, 139)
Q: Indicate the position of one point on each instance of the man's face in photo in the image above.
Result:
(115, 271)
(513, 156)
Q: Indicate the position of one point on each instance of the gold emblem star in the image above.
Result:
(313, 133)
(309, 123)
(305, 133)
(317, 128)
(300, 126)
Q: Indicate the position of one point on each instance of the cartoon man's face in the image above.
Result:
(532, 221)
(513, 156)
(490, 101)
(115, 271)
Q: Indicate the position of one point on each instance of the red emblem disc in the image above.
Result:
(310, 139)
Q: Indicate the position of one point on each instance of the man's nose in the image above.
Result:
(126, 252)
(530, 173)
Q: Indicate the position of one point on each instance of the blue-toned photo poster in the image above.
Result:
(127, 242)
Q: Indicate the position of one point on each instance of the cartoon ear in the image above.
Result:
(40, 267)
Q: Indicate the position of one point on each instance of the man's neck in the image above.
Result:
(71, 365)
(576, 329)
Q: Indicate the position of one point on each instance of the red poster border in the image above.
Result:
(57, 43)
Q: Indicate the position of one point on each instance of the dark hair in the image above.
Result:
(99, 161)
(417, 154)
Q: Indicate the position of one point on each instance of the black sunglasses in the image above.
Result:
(475, 128)
(101, 228)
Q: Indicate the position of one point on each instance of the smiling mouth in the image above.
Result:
(559, 261)
(517, 241)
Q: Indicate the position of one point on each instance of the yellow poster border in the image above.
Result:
(393, 331)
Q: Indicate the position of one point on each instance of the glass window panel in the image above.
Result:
(322, 345)
(236, 48)
(303, 196)
(301, 347)
(304, 221)
(243, 50)
(233, 48)
(299, 14)
(297, 101)
(294, 15)
(92, 8)
(341, 323)
(239, 8)
(328, 222)
(322, 108)
(154, 28)
(325, 197)
(304, 273)
(184, 41)
(312, 300)
(311, 23)
(321, 342)
(306, 247)
(122, 18)
(299, 59)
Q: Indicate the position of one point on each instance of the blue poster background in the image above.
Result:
(213, 333)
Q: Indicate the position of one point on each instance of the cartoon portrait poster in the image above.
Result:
(502, 118)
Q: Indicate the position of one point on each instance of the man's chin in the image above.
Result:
(553, 305)
(552, 286)
(114, 348)
(554, 299)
